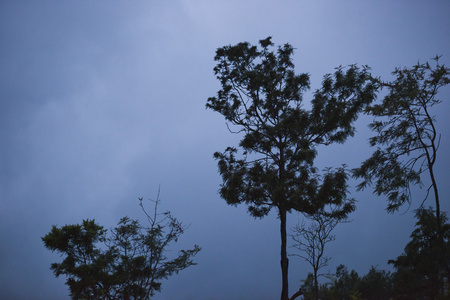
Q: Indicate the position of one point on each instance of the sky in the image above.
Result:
(102, 102)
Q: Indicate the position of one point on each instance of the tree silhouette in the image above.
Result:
(262, 99)
(311, 241)
(128, 262)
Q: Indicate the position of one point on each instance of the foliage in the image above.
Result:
(407, 141)
(419, 274)
(407, 138)
(262, 98)
(308, 287)
(126, 262)
(347, 285)
(376, 285)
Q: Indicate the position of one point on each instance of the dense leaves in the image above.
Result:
(420, 274)
(126, 262)
(262, 99)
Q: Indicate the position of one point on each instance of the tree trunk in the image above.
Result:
(316, 284)
(284, 259)
(440, 234)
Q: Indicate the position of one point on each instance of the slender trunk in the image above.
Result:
(431, 159)
(440, 234)
(436, 198)
(316, 285)
(438, 207)
(284, 259)
(283, 214)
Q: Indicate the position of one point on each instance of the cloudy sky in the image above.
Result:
(103, 101)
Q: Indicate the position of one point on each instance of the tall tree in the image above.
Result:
(262, 98)
(406, 137)
(128, 263)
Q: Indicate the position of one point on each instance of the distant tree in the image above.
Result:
(126, 262)
(346, 284)
(419, 274)
(311, 241)
(376, 285)
(407, 139)
(262, 98)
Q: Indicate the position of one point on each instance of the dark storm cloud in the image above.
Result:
(102, 102)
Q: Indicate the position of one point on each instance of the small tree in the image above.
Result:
(262, 98)
(126, 262)
(311, 241)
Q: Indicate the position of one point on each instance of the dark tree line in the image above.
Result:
(418, 274)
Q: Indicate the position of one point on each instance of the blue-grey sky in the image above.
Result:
(101, 102)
